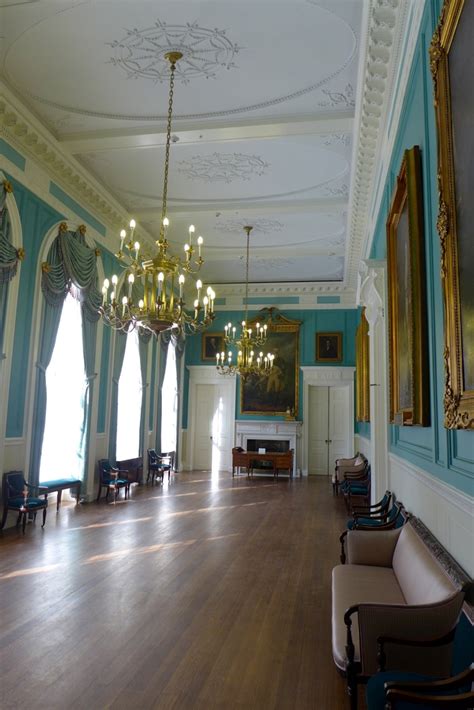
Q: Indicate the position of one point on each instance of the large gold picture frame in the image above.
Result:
(362, 371)
(275, 394)
(408, 354)
(453, 77)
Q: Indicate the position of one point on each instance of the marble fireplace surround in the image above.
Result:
(271, 431)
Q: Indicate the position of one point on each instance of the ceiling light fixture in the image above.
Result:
(161, 305)
(250, 359)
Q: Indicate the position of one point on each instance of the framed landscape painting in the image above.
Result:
(328, 347)
(212, 343)
(408, 353)
(453, 76)
(274, 394)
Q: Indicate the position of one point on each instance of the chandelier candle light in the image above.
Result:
(163, 275)
(250, 359)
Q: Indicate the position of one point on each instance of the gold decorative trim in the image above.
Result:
(458, 401)
(45, 268)
(20, 252)
(63, 227)
(7, 186)
(408, 195)
(82, 229)
(362, 370)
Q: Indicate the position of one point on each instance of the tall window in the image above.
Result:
(129, 402)
(62, 455)
(169, 403)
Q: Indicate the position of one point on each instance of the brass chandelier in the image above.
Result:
(250, 359)
(161, 277)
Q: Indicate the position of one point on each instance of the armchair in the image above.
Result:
(356, 464)
(20, 496)
(396, 690)
(159, 464)
(110, 479)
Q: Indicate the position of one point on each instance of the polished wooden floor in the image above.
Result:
(209, 592)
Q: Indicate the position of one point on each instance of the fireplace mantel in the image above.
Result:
(262, 429)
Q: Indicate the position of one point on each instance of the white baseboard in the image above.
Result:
(446, 511)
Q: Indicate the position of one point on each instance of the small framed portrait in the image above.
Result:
(212, 343)
(328, 347)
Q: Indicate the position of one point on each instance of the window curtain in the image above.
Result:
(119, 354)
(89, 340)
(164, 341)
(144, 337)
(179, 343)
(9, 257)
(70, 267)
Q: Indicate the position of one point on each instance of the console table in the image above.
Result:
(247, 459)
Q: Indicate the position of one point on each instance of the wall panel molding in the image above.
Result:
(445, 510)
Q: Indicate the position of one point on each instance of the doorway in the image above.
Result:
(329, 427)
(212, 407)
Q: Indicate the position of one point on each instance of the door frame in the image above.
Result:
(327, 376)
(208, 375)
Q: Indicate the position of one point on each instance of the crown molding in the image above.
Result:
(301, 288)
(392, 31)
(21, 129)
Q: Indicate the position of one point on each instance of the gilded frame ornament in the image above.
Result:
(408, 347)
(458, 396)
(259, 396)
(362, 371)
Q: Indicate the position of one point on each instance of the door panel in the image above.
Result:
(213, 439)
(338, 423)
(318, 431)
(328, 429)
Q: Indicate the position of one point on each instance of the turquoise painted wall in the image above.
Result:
(447, 455)
(344, 320)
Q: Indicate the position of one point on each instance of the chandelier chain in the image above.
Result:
(248, 230)
(168, 142)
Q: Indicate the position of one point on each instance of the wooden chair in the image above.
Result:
(396, 690)
(159, 464)
(23, 498)
(110, 479)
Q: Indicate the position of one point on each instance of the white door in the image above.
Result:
(328, 428)
(212, 430)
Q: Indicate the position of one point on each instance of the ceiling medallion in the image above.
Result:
(222, 167)
(260, 225)
(140, 54)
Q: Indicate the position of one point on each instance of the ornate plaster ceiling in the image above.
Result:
(264, 106)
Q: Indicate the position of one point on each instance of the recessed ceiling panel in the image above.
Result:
(105, 59)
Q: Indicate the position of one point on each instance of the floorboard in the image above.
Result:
(208, 592)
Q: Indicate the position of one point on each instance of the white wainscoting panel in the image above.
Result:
(446, 511)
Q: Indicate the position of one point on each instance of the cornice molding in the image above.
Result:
(25, 133)
(283, 289)
(392, 31)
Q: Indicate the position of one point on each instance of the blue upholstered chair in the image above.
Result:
(386, 521)
(375, 509)
(159, 464)
(396, 690)
(20, 496)
(112, 479)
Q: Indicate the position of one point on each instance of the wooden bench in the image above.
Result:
(62, 484)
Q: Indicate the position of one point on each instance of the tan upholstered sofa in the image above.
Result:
(392, 585)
